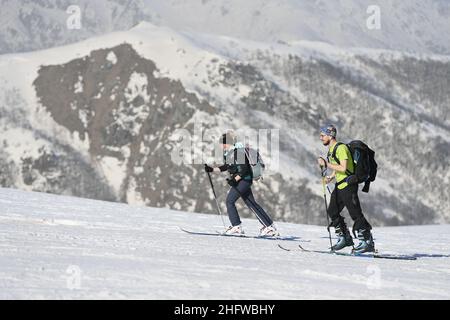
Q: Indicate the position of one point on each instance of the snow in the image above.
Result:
(133, 196)
(114, 170)
(137, 86)
(58, 247)
(79, 85)
(414, 25)
(83, 115)
(111, 57)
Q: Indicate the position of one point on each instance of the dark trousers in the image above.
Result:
(348, 198)
(244, 190)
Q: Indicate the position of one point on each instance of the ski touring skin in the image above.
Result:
(221, 234)
(362, 255)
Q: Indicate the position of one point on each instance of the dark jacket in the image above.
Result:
(236, 163)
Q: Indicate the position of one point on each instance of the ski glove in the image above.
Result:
(208, 168)
(232, 182)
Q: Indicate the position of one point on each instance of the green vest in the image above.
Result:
(342, 153)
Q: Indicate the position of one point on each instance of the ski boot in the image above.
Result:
(366, 243)
(344, 240)
(234, 230)
(270, 231)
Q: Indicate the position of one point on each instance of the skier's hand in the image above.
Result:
(208, 168)
(232, 182)
(328, 179)
(322, 163)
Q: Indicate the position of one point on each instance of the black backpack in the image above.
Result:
(365, 166)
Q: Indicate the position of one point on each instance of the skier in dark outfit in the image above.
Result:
(344, 195)
(241, 179)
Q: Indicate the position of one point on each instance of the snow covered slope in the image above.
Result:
(58, 247)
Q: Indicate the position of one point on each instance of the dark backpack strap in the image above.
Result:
(333, 155)
(348, 172)
(247, 155)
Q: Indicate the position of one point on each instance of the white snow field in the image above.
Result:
(58, 247)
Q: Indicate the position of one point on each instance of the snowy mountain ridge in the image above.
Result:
(415, 26)
(408, 26)
(29, 25)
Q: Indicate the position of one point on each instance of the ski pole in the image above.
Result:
(215, 198)
(322, 172)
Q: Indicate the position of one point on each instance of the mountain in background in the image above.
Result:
(419, 26)
(28, 25)
(96, 119)
(413, 25)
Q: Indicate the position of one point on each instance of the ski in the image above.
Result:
(361, 255)
(221, 234)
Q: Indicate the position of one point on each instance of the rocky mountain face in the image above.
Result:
(393, 106)
(122, 102)
(115, 100)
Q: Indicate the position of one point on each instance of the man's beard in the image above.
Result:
(326, 143)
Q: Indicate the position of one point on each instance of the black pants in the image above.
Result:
(348, 198)
(243, 189)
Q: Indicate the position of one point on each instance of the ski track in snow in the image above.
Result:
(126, 252)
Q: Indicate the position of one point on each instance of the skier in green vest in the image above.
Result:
(344, 195)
